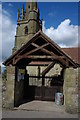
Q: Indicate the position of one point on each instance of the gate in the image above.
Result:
(40, 92)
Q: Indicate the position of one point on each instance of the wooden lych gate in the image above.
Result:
(41, 50)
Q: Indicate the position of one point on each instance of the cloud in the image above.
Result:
(65, 35)
(8, 35)
(4, 12)
(10, 5)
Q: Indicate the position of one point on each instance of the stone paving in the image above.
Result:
(38, 109)
(41, 106)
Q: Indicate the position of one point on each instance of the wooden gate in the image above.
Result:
(41, 92)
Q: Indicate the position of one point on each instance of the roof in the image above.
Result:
(73, 52)
(48, 47)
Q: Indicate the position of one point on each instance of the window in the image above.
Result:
(29, 6)
(26, 30)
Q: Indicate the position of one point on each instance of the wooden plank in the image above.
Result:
(44, 57)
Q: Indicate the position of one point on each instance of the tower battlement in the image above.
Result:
(28, 23)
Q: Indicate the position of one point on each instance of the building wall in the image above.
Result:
(71, 84)
(33, 71)
(9, 99)
(21, 38)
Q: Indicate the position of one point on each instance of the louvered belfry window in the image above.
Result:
(26, 30)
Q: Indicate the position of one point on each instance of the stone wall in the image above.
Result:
(9, 103)
(70, 88)
(33, 71)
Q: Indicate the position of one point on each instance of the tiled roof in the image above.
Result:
(73, 52)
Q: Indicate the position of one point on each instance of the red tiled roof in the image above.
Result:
(73, 52)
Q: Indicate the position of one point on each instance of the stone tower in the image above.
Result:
(28, 23)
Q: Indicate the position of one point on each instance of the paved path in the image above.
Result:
(36, 114)
(41, 106)
(38, 109)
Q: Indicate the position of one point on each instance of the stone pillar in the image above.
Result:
(70, 89)
(9, 103)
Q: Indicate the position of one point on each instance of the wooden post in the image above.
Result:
(43, 80)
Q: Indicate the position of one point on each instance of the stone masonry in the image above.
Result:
(71, 96)
(10, 87)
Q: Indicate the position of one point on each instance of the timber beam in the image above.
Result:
(44, 50)
(48, 68)
(44, 57)
(38, 48)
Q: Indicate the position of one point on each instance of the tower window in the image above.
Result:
(26, 30)
(29, 6)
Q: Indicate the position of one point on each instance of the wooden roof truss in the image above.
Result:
(41, 48)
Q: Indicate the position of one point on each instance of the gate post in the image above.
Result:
(71, 90)
(9, 103)
(43, 80)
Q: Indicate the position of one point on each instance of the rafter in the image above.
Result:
(64, 59)
(44, 50)
(38, 48)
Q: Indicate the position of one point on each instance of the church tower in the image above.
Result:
(28, 23)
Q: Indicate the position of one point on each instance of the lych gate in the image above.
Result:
(39, 51)
(38, 67)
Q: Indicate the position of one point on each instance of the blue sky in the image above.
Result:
(52, 12)
(60, 23)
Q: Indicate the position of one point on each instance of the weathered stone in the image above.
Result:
(33, 71)
(70, 89)
(9, 99)
(31, 21)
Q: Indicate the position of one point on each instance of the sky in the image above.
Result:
(60, 23)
